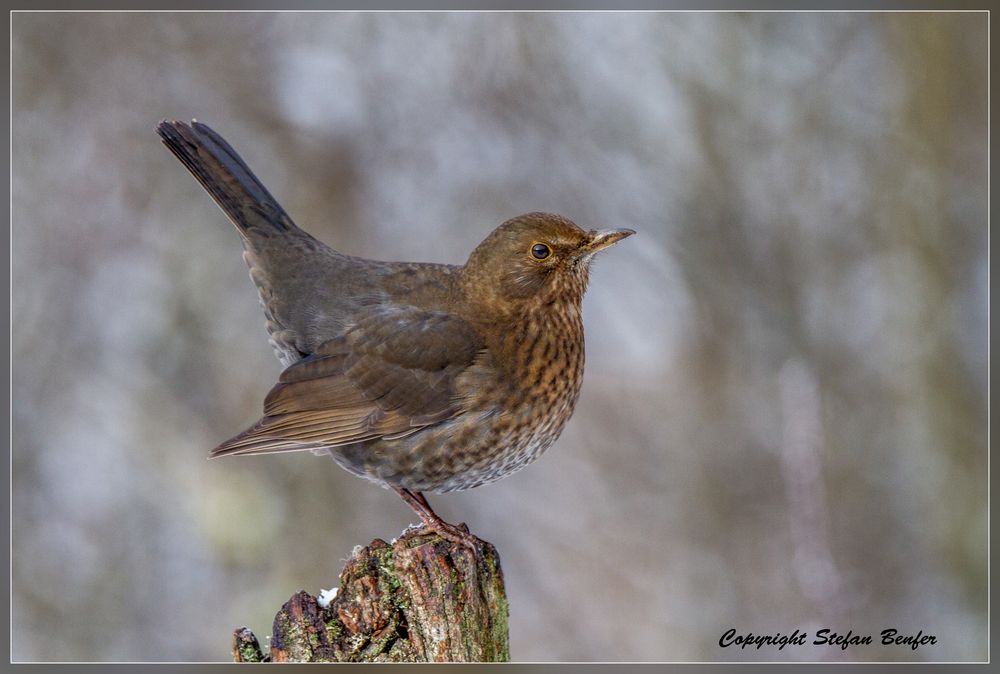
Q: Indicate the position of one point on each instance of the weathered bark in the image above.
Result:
(420, 599)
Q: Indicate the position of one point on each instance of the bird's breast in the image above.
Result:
(515, 398)
(536, 372)
(546, 359)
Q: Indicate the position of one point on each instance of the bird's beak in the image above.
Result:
(607, 237)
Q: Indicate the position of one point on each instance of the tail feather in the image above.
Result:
(225, 176)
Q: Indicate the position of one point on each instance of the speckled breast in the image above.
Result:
(516, 417)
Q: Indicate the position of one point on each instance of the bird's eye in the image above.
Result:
(540, 251)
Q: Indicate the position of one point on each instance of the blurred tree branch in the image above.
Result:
(420, 599)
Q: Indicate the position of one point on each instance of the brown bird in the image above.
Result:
(420, 377)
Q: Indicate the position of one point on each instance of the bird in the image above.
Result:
(420, 377)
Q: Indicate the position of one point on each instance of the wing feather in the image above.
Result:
(390, 374)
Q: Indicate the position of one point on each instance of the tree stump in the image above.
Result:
(421, 599)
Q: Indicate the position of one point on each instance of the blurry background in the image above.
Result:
(783, 421)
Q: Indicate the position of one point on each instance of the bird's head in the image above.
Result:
(536, 257)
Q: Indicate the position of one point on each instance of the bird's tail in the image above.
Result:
(226, 177)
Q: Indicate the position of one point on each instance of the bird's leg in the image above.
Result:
(449, 532)
(419, 495)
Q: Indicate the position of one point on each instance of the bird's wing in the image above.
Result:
(390, 374)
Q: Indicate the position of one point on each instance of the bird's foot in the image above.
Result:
(458, 534)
